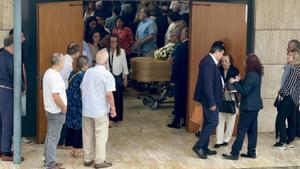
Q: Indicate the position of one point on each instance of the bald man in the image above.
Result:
(97, 101)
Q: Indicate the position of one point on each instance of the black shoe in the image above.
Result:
(200, 152)
(218, 145)
(197, 133)
(210, 152)
(225, 144)
(230, 157)
(174, 125)
(183, 125)
(279, 146)
(248, 155)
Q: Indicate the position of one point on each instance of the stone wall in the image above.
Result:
(6, 18)
(276, 22)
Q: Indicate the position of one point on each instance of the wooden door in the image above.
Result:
(58, 24)
(211, 22)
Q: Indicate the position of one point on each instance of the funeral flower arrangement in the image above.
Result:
(164, 52)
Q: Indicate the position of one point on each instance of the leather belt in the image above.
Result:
(5, 87)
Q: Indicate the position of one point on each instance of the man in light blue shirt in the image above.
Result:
(146, 33)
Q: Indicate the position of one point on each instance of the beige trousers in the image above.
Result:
(229, 119)
(94, 135)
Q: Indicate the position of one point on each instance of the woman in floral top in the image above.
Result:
(74, 114)
(125, 36)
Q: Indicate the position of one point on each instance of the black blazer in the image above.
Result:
(250, 89)
(232, 72)
(209, 89)
(180, 66)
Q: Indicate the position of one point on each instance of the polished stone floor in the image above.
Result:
(142, 141)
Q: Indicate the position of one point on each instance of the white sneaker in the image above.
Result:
(26, 141)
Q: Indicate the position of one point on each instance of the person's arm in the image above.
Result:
(124, 67)
(58, 101)
(111, 102)
(208, 85)
(110, 86)
(25, 77)
(246, 85)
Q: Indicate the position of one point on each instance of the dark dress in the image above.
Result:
(74, 113)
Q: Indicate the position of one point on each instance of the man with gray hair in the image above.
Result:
(6, 99)
(97, 101)
(55, 102)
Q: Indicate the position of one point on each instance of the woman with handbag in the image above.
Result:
(117, 65)
(251, 103)
(290, 93)
(74, 112)
(229, 103)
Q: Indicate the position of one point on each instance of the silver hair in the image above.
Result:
(56, 58)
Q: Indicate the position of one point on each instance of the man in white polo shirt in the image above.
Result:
(97, 101)
(55, 102)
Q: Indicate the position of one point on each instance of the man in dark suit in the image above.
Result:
(208, 92)
(179, 78)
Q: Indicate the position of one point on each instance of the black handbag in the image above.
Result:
(278, 101)
(228, 107)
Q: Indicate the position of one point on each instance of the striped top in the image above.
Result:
(291, 85)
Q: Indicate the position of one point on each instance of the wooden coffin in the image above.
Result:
(148, 69)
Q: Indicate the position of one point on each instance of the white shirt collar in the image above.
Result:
(215, 60)
(184, 40)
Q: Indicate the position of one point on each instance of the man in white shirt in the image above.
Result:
(97, 101)
(55, 102)
(73, 51)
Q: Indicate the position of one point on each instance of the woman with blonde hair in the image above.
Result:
(290, 93)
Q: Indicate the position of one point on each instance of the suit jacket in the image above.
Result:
(162, 27)
(250, 89)
(209, 89)
(232, 72)
(180, 66)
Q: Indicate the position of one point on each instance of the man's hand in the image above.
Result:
(125, 82)
(64, 109)
(113, 112)
(213, 108)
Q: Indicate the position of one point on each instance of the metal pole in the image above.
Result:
(17, 81)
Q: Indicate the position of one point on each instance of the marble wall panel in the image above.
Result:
(6, 14)
(267, 116)
(270, 45)
(277, 14)
(271, 81)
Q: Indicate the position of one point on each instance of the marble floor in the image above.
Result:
(142, 141)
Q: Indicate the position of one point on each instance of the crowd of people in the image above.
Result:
(83, 93)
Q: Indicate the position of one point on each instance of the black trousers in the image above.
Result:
(286, 111)
(180, 97)
(211, 120)
(74, 137)
(298, 122)
(118, 97)
(247, 125)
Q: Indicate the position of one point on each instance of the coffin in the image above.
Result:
(148, 69)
